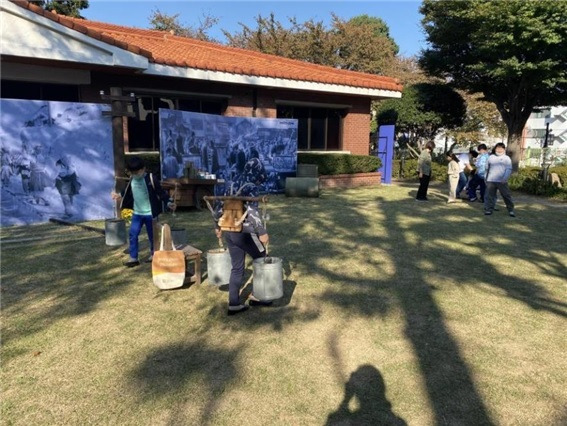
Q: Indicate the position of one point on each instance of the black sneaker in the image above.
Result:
(473, 199)
(131, 263)
(252, 302)
(236, 309)
(511, 213)
(487, 212)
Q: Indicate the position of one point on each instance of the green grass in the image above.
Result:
(426, 312)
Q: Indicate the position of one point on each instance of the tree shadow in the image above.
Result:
(167, 371)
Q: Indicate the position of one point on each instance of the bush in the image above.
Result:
(338, 164)
(529, 180)
(438, 171)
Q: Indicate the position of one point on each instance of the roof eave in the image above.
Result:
(268, 82)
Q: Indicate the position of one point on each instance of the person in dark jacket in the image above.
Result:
(146, 197)
(252, 240)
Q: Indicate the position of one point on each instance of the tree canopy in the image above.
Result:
(423, 110)
(361, 44)
(64, 7)
(511, 51)
(164, 22)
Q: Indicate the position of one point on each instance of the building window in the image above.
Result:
(39, 91)
(143, 131)
(319, 129)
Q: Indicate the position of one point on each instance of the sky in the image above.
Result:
(401, 16)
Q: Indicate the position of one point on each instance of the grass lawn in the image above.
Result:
(394, 312)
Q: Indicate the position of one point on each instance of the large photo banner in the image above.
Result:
(237, 150)
(57, 162)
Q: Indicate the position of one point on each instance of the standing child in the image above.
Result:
(146, 197)
(498, 170)
(453, 170)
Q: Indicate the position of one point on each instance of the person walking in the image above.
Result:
(251, 240)
(424, 171)
(498, 170)
(478, 179)
(145, 196)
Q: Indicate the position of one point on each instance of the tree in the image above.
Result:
(511, 51)
(163, 22)
(64, 7)
(360, 44)
(422, 111)
(482, 119)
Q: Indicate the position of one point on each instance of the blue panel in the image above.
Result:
(385, 151)
(238, 150)
(57, 161)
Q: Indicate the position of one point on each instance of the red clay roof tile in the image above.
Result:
(164, 48)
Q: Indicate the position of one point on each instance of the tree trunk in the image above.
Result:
(514, 148)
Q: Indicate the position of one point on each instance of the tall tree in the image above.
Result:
(64, 7)
(164, 22)
(360, 44)
(422, 111)
(511, 51)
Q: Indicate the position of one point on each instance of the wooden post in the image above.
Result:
(118, 142)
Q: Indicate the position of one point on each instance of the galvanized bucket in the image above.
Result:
(115, 232)
(218, 266)
(267, 278)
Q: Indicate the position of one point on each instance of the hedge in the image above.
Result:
(439, 171)
(528, 180)
(338, 164)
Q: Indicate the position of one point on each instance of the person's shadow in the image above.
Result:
(367, 385)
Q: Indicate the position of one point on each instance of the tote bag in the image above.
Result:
(168, 264)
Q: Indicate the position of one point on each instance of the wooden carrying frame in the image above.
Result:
(233, 211)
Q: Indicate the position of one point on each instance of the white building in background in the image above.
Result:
(533, 138)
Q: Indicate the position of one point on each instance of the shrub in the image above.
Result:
(438, 171)
(337, 164)
(529, 180)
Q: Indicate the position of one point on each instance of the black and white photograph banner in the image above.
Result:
(238, 150)
(57, 162)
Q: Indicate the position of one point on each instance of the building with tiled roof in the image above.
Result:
(46, 56)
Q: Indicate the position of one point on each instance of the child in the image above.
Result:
(145, 196)
(453, 170)
(498, 170)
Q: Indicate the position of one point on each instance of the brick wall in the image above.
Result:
(350, 181)
(356, 128)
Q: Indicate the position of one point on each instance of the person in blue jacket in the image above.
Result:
(145, 196)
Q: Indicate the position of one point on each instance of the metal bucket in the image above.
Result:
(218, 266)
(267, 278)
(179, 236)
(115, 232)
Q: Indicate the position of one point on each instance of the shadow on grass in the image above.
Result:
(367, 386)
(176, 369)
(410, 229)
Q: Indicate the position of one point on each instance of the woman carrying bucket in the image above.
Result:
(252, 238)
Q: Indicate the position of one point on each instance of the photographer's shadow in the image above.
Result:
(367, 385)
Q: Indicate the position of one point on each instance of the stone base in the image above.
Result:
(350, 181)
